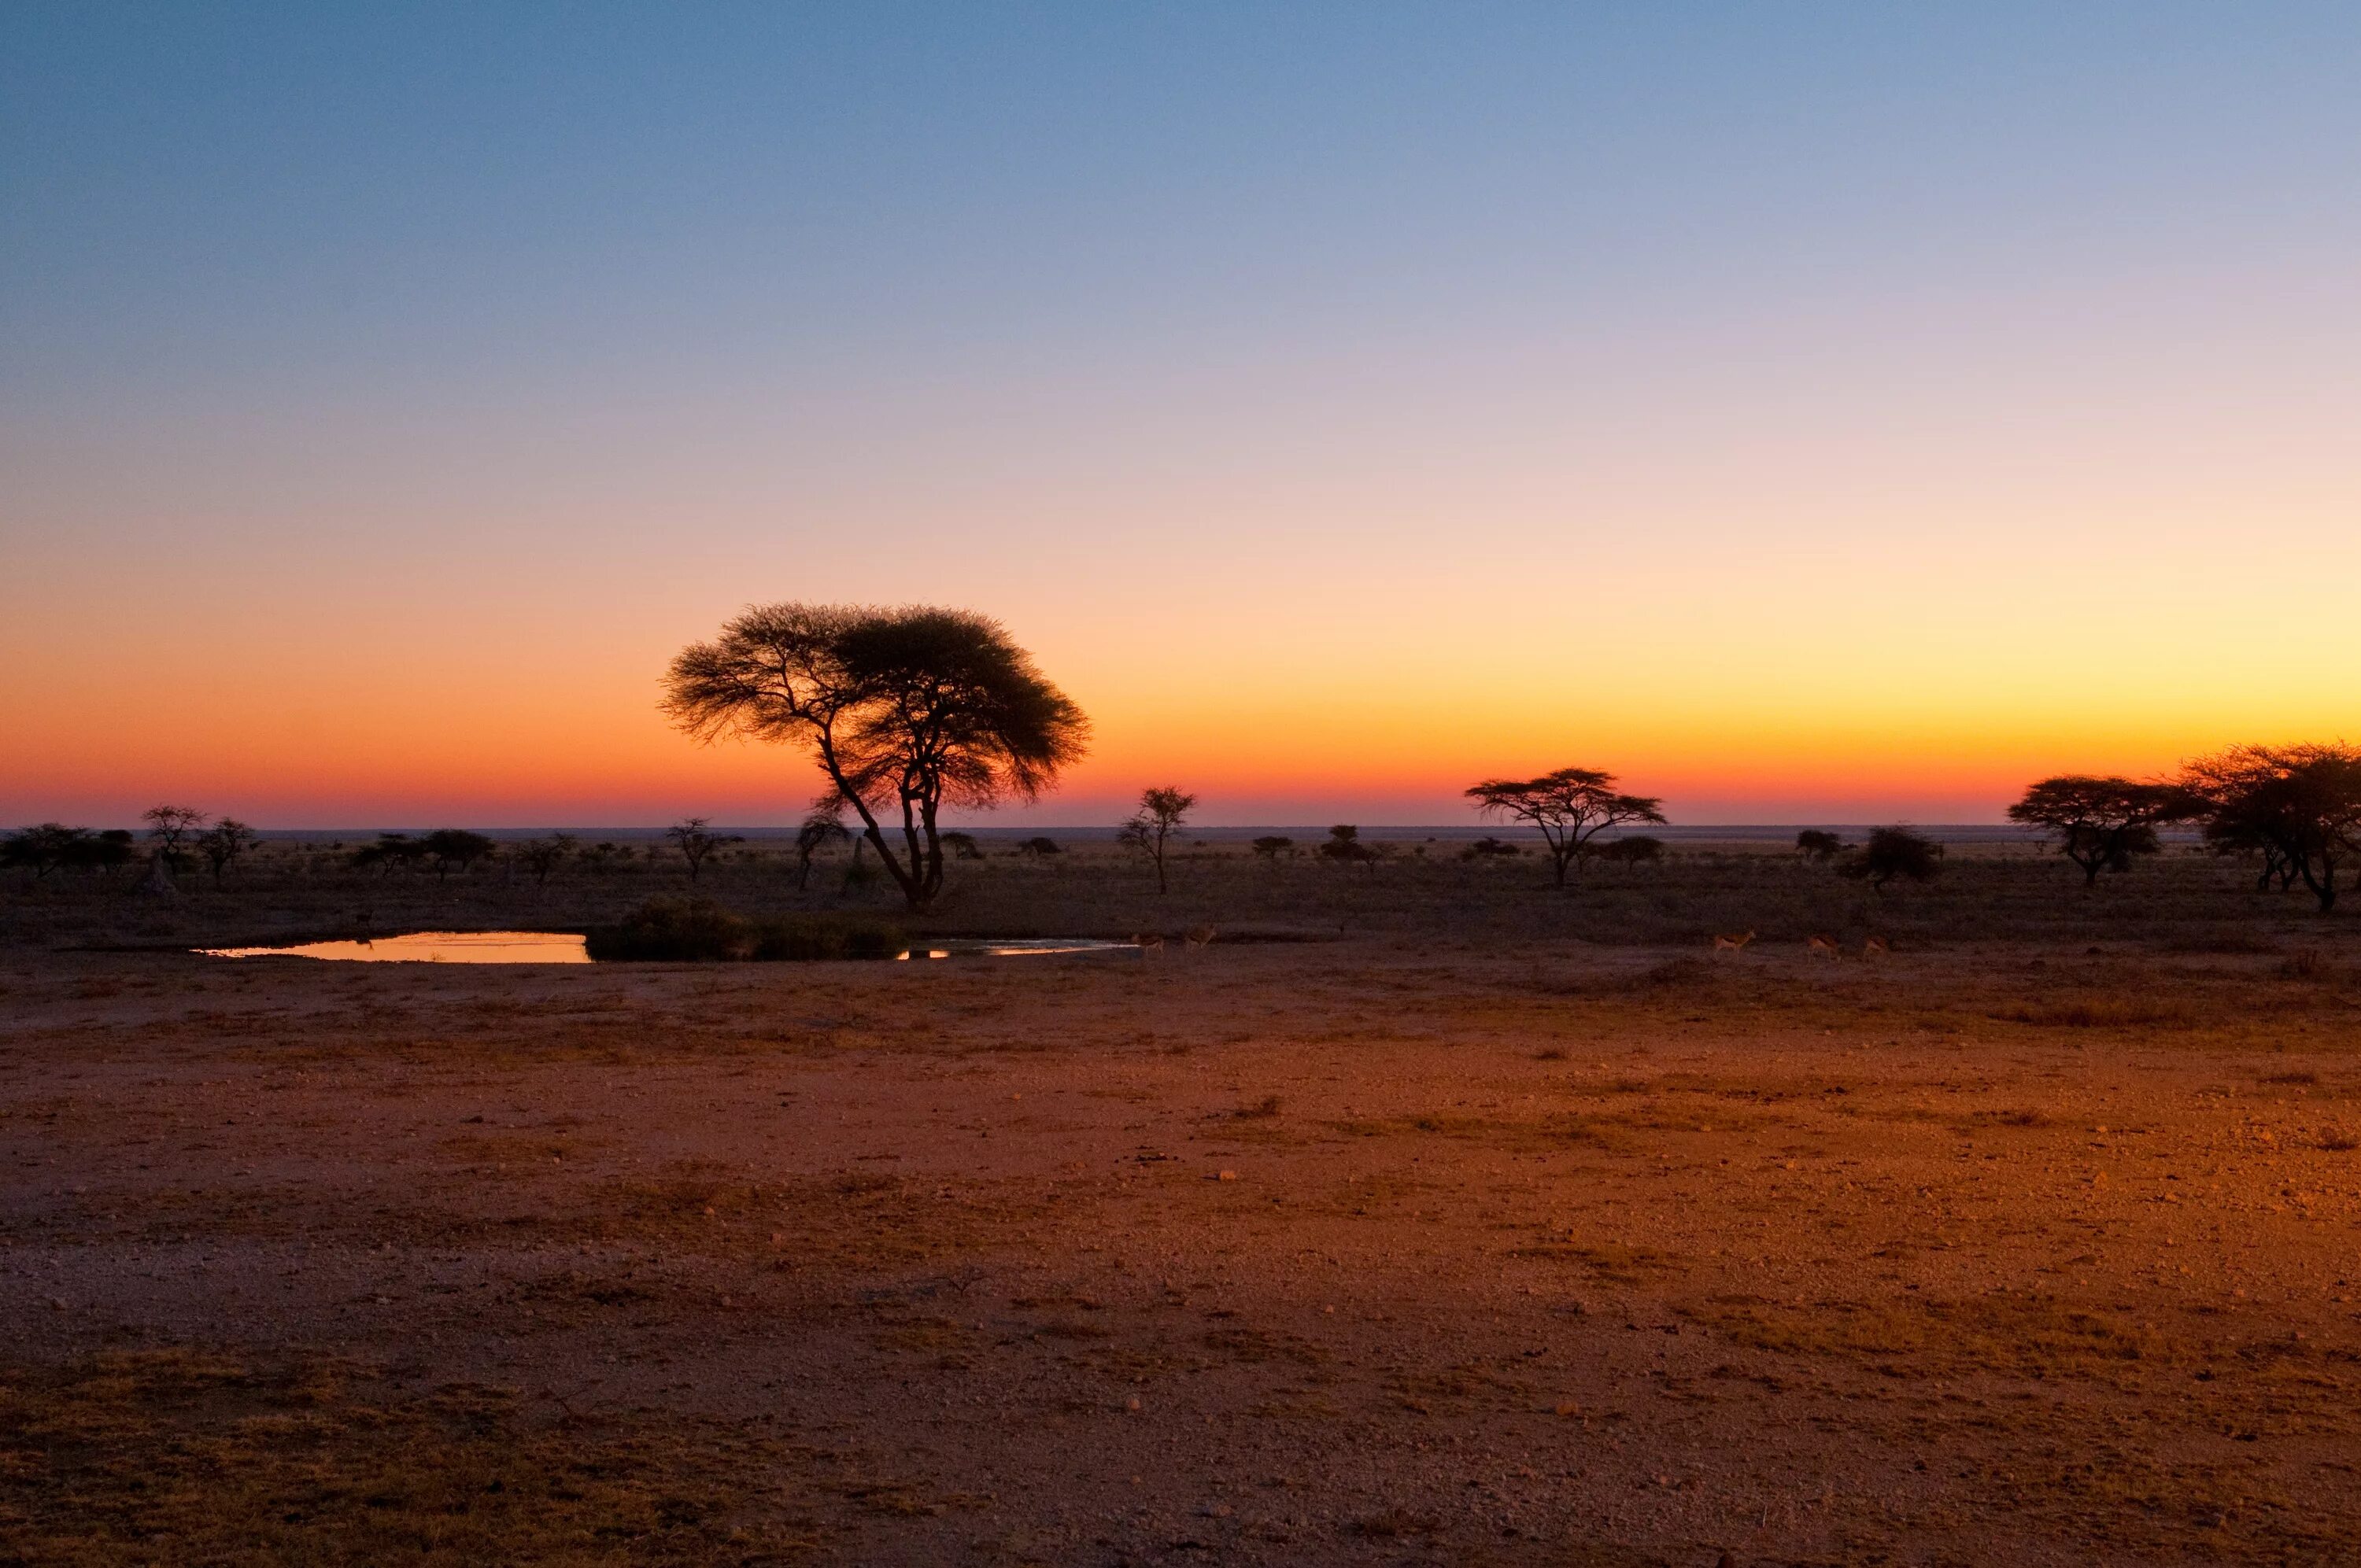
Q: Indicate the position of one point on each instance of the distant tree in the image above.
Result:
(1893, 853)
(105, 853)
(1270, 845)
(170, 829)
(1490, 848)
(1816, 844)
(389, 851)
(42, 849)
(2300, 804)
(906, 711)
(1640, 848)
(2101, 823)
(822, 828)
(1570, 807)
(540, 857)
(449, 847)
(962, 846)
(1345, 847)
(223, 843)
(1040, 849)
(696, 842)
(1161, 813)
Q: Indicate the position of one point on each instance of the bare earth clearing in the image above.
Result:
(1435, 1242)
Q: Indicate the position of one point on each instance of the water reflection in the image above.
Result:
(1012, 947)
(565, 947)
(435, 948)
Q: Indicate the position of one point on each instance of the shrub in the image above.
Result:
(809, 938)
(673, 930)
(666, 930)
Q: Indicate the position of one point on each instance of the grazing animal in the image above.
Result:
(1149, 942)
(1199, 936)
(1816, 945)
(1733, 944)
(1875, 948)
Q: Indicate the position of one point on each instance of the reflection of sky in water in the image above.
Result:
(1012, 947)
(436, 947)
(559, 948)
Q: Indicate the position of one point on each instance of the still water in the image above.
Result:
(435, 948)
(563, 948)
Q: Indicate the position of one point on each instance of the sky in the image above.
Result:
(1807, 412)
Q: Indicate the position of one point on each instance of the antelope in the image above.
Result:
(1733, 944)
(1814, 947)
(1200, 936)
(1149, 942)
(1875, 948)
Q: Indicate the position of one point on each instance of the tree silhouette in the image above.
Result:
(1161, 813)
(169, 828)
(2101, 823)
(540, 857)
(696, 842)
(1893, 853)
(822, 827)
(2300, 803)
(1819, 844)
(43, 849)
(905, 711)
(963, 846)
(1570, 807)
(1270, 845)
(449, 847)
(223, 843)
(1640, 848)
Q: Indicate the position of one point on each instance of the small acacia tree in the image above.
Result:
(1161, 813)
(449, 847)
(2101, 823)
(1270, 845)
(2300, 804)
(1570, 807)
(170, 829)
(823, 827)
(1893, 853)
(695, 840)
(905, 711)
(1819, 844)
(223, 843)
(540, 857)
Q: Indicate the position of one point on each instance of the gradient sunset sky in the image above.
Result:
(1808, 413)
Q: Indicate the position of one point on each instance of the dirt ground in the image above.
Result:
(1395, 1248)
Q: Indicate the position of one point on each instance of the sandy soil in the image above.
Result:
(1376, 1251)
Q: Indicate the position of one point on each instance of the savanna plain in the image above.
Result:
(1428, 1214)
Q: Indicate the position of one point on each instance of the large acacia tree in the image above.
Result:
(906, 710)
(2301, 805)
(2101, 823)
(1571, 807)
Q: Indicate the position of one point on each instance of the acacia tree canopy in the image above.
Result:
(2300, 804)
(1162, 812)
(2101, 823)
(1570, 807)
(906, 711)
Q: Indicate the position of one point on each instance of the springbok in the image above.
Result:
(1733, 944)
(1814, 947)
(1149, 942)
(1875, 948)
(1200, 936)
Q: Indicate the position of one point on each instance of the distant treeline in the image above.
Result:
(2292, 812)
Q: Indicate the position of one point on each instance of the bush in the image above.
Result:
(666, 930)
(806, 938)
(671, 931)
